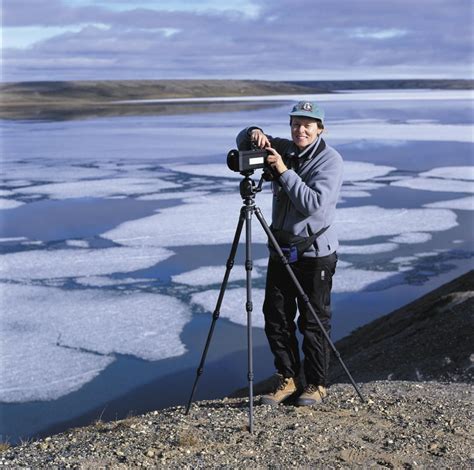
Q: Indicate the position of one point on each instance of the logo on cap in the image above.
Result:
(307, 107)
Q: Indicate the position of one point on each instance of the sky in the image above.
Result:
(240, 39)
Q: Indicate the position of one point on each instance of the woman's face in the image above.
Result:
(304, 131)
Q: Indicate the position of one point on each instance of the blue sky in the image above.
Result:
(252, 39)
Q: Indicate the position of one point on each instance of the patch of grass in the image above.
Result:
(4, 446)
(187, 439)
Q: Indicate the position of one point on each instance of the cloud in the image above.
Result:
(277, 40)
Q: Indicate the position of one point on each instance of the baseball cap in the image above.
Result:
(308, 109)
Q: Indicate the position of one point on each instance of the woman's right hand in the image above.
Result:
(260, 139)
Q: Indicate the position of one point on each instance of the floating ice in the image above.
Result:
(353, 193)
(12, 239)
(361, 171)
(102, 281)
(47, 264)
(451, 172)
(54, 341)
(367, 249)
(210, 169)
(356, 280)
(436, 185)
(382, 130)
(46, 172)
(78, 243)
(173, 195)
(465, 203)
(100, 187)
(205, 220)
(359, 223)
(6, 192)
(233, 305)
(413, 237)
(207, 275)
(10, 204)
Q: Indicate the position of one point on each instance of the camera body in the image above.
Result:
(247, 160)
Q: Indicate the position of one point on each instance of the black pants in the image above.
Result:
(281, 304)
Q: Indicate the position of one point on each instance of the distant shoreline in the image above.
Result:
(85, 99)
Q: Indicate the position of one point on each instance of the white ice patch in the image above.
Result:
(210, 169)
(100, 188)
(206, 220)
(101, 281)
(208, 275)
(58, 173)
(78, 243)
(367, 249)
(359, 223)
(48, 264)
(174, 195)
(451, 172)
(465, 203)
(357, 280)
(361, 171)
(413, 237)
(54, 341)
(382, 130)
(10, 204)
(353, 193)
(6, 192)
(233, 305)
(436, 185)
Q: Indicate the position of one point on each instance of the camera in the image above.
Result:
(247, 160)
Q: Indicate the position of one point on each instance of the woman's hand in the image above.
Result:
(275, 160)
(260, 139)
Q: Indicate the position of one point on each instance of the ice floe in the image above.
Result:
(207, 275)
(464, 203)
(361, 171)
(54, 341)
(48, 264)
(436, 185)
(356, 280)
(204, 220)
(100, 188)
(210, 169)
(367, 249)
(10, 204)
(233, 305)
(359, 223)
(451, 172)
(412, 237)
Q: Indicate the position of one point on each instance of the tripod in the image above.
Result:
(248, 190)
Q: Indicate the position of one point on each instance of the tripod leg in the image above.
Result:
(215, 315)
(249, 306)
(305, 298)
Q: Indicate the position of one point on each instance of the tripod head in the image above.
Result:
(248, 188)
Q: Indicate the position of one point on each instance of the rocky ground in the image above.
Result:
(418, 416)
(401, 425)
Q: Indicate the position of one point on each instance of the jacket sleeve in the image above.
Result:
(320, 192)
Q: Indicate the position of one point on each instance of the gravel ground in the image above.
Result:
(401, 425)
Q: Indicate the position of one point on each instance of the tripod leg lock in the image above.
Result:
(249, 306)
(230, 263)
(248, 265)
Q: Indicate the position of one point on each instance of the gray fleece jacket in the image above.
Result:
(305, 196)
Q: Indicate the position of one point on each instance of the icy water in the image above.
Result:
(115, 233)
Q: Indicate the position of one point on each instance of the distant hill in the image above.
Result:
(79, 99)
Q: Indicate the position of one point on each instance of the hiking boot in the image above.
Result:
(312, 395)
(285, 387)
